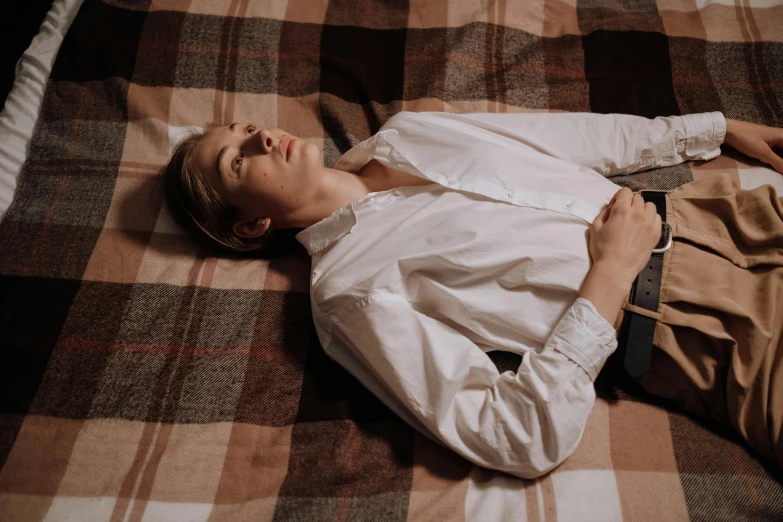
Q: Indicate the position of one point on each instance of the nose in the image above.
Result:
(267, 140)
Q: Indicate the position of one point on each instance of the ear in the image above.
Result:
(251, 229)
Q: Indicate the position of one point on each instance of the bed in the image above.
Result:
(148, 378)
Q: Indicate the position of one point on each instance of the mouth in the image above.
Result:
(289, 148)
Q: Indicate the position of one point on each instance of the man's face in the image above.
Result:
(259, 171)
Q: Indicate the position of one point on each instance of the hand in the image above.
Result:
(624, 234)
(755, 141)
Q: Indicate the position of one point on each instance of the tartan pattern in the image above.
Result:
(147, 377)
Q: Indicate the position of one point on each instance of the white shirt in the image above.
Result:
(411, 286)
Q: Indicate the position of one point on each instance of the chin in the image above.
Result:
(311, 150)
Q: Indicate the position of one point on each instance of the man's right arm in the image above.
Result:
(524, 423)
(621, 241)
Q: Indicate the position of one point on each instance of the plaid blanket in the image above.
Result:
(147, 378)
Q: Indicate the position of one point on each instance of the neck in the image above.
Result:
(375, 175)
(339, 189)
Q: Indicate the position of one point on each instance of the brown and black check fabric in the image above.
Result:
(148, 378)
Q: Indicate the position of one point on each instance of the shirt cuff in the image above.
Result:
(704, 133)
(585, 337)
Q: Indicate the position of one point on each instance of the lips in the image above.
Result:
(289, 148)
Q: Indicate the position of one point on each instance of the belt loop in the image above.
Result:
(628, 307)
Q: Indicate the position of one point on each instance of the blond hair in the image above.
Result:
(201, 210)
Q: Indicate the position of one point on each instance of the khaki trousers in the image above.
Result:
(718, 349)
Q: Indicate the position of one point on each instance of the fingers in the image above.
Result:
(650, 210)
(602, 217)
(623, 197)
(651, 213)
(769, 157)
(628, 204)
(623, 201)
(777, 139)
(756, 141)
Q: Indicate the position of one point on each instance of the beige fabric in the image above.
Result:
(717, 349)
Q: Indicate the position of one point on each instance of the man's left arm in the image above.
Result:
(614, 144)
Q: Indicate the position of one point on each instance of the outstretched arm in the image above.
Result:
(611, 144)
(614, 144)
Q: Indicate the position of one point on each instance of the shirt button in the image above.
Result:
(512, 194)
(396, 192)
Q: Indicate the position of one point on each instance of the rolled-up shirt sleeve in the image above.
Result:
(613, 144)
(524, 423)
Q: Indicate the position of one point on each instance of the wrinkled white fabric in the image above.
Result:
(412, 286)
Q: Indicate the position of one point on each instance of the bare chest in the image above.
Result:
(403, 179)
(388, 178)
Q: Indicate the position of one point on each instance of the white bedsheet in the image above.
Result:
(23, 104)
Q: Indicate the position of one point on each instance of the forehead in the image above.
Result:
(208, 148)
(215, 138)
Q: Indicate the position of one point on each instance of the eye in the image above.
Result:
(237, 162)
(251, 129)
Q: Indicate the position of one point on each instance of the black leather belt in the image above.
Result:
(636, 333)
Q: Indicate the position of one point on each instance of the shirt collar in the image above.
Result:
(322, 234)
(340, 223)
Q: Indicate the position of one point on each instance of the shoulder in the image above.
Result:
(410, 117)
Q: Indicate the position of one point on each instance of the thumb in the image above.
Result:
(602, 217)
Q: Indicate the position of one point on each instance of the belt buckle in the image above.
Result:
(666, 239)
